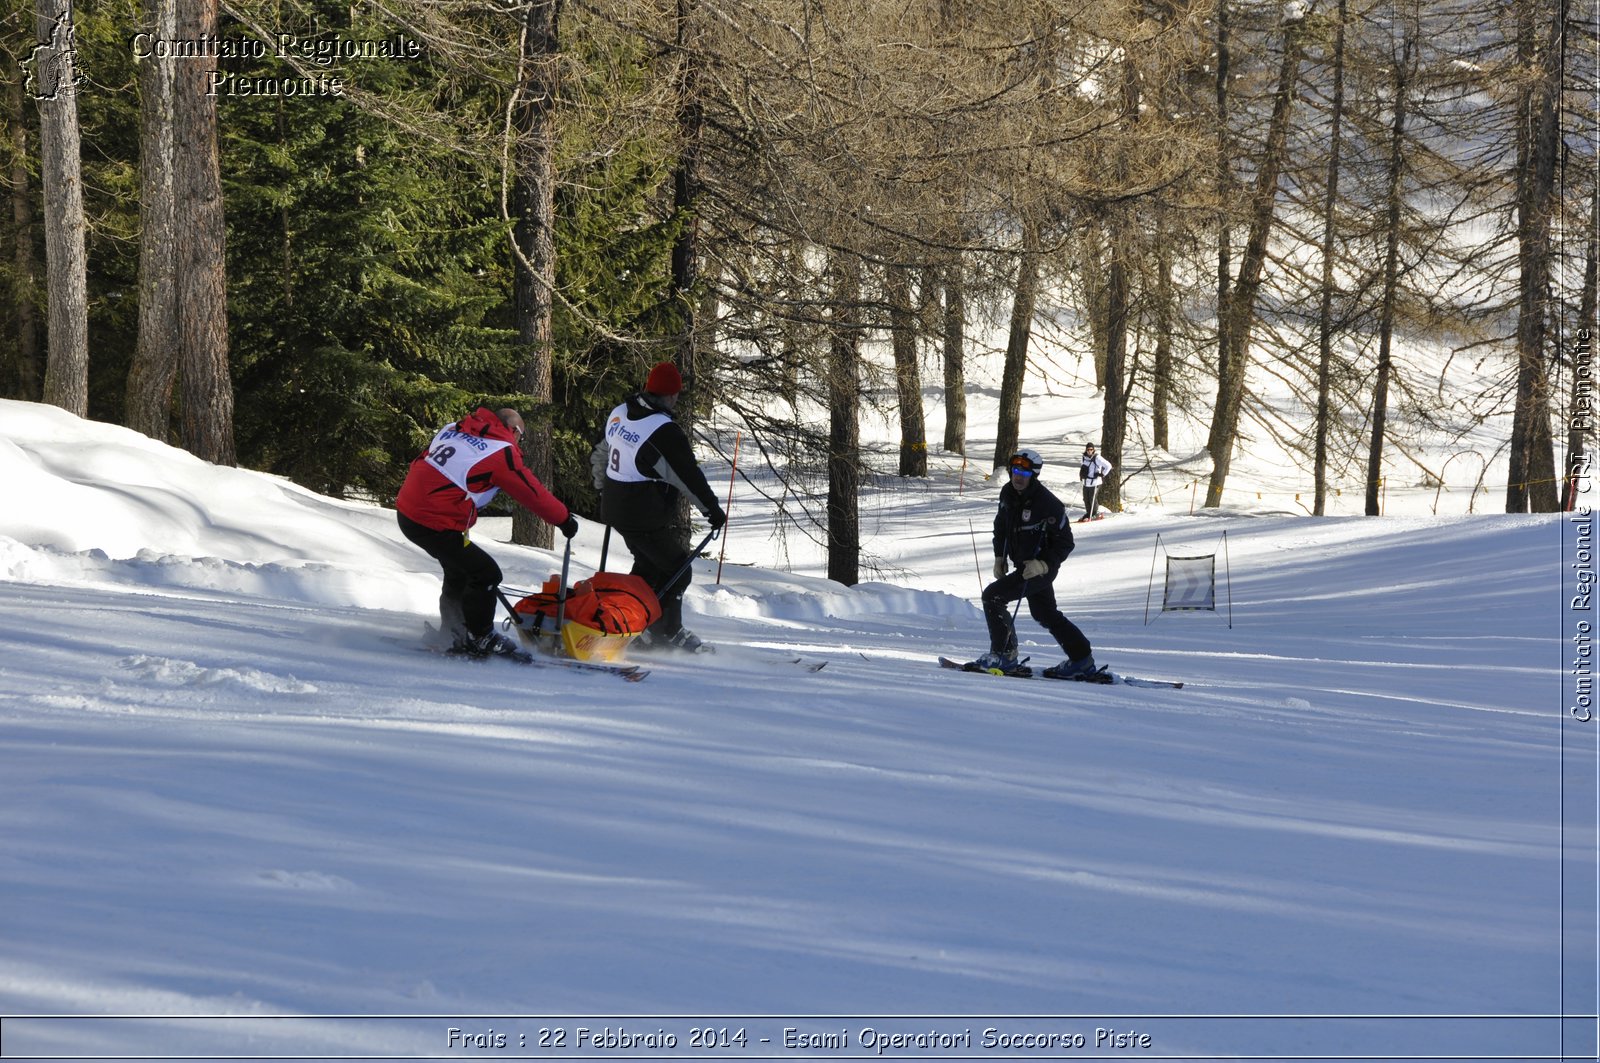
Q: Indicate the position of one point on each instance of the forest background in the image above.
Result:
(301, 235)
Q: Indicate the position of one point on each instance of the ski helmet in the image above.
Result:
(1026, 461)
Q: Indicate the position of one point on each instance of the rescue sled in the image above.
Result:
(597, 619)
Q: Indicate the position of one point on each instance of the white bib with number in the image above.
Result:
(454, 454)
(625, 437)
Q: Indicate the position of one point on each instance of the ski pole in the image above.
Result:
(977, 566)
(712, 534)
(605, 548)
(1015, 609)
(731, 474)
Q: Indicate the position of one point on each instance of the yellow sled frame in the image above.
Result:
(578, 641)
(590, 644)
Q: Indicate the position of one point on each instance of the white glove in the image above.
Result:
(1033, 568)
(1001, 567)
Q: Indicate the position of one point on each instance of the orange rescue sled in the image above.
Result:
(603, 614)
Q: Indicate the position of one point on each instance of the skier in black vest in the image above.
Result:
(1031, 529)
(641, 464)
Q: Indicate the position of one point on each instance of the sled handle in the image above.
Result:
(516, 617)
(712, 534)
(561, 594)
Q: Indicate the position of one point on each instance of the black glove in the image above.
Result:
(569, 527)
(717, 519)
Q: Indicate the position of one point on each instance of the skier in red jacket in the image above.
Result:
(465, 466)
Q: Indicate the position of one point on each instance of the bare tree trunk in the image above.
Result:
(1391, 274)
(1010, 423)
(1224, 192)
(155, 365)
(1119, 298)
(1114, 415)
(201, 250)
(1097, 296)
(844, 424)
(1532, 468)
(533, 236)
(791, 346)
(66, 378)
(685, 186)
(1161, 384)
(955, 361)
(686, 248)
(907, 374)
(1241, 301)
(25, 283)
(1325, 314)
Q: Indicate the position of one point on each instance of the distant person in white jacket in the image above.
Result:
(1093, 472)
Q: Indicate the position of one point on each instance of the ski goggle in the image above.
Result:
(1022, 466)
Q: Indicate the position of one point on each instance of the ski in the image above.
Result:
(1107, 676)
(1022, 671)
(1136, 681)
(630, 672)
(810, 666)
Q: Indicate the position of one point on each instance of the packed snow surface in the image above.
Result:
(235, 787)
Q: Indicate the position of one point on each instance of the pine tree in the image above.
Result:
(366, 274)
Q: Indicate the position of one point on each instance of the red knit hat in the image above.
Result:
(664, 380)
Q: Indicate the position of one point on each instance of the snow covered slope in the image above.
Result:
(231, 786)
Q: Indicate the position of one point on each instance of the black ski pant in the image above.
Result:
(657, 556)
(1089, 494)
(470, 577)
(1041, 595)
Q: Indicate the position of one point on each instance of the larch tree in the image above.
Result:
(953, 349)
(844, 421)
(1539, 28)
(1025, 294)
(1240, 306)
(907, 373)
(1403, 66)
(1325, 304)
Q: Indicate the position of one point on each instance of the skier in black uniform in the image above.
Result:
(1031, 529)
(641, 464)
